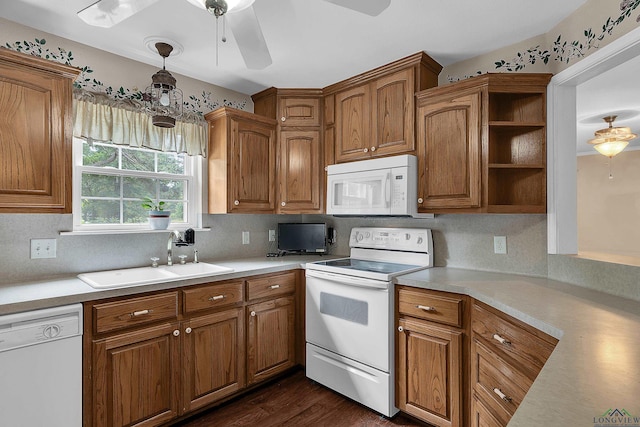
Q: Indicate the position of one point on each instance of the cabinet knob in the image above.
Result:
(236, 202)
(283, 118)
(188, 330)
(425, 308)
(176, 333)
(400, 329)
(366, 150)
(253, 314)
(501, 395)
(501, 340)
(373, 149)
(283, 204)
(420, 200)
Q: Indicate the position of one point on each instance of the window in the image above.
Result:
(110, 181)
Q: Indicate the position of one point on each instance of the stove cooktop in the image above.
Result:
(370, 266)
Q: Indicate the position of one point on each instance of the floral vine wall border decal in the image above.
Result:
(563, 50)
(199, 104)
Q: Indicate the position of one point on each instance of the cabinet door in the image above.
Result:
(271, 338)
(253, 165)
(136, 377)
(213, 358)
(393, 116)
(299, 174)
(449, 153)
(353, 124)
(429, 372)
(481, 416)
(35, 136)
(299, 111)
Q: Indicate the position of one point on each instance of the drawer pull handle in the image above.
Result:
(501, 340)
(425, 308)
(501, 395)
(274, 286)
(140, 313)
(216, 298)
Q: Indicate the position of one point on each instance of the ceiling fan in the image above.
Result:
(239, 15)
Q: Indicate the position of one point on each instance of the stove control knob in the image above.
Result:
(359, 237)
(420, 240)
(407, 236)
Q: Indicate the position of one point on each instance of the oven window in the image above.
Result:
(349, 309)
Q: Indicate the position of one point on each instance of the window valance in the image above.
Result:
(98, 117)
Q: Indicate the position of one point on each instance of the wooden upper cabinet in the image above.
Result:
(35, 134)
(242, 162)
(502, 117)
(300, 184)
(299, 172)
(373, 113)
(449, 152)
(394, 117)
(299, 111)
(353, 124)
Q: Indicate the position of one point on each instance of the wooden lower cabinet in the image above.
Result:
(154, 358)
(136, 377)
(429, 375)
(270, 338)
(212, 358)
(481, 416)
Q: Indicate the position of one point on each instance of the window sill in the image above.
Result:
(131, 231)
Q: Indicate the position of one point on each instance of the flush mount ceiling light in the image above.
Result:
(612, 140)
(163, 100)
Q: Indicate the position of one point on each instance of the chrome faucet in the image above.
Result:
(176, 238)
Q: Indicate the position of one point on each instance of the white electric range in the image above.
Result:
(349, 313)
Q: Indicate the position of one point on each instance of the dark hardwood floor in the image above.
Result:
(294, 401)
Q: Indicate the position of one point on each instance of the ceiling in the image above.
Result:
(615, 92)
(313, 43)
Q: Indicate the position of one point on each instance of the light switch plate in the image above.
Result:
(272, 235)
(245, 238)
(43, 248)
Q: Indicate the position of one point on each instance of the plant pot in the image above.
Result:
(159, 220)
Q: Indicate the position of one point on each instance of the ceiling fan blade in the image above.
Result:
(248, 34)
(107, 13)
(369, 7)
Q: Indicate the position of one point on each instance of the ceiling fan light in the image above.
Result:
(611, 148)
(237, 5)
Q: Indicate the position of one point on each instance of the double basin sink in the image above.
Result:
(147, 275)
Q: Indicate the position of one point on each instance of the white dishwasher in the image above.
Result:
(41, 368)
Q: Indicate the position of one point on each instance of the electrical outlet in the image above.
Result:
(245, 238)
(43, 248)
(500, 245)
(272, 235)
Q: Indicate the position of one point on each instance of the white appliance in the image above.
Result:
(384, 186)
(349, 313)
(41, 368)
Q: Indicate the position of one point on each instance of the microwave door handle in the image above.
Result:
(387, 189)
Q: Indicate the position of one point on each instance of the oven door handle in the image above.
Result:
(343, 279)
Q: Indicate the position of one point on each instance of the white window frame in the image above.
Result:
(193, 176)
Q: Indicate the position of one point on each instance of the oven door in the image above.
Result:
(350, 316)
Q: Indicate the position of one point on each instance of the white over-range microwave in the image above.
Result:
(384, 186)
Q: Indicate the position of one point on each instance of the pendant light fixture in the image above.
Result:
(612, 140)
(163, 99)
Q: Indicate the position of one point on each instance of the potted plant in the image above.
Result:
(159, 219)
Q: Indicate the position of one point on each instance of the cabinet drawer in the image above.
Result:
(271, 286)
(131, 312)
(498, 383)
(528, 347)
(214, 295)
(431, 306)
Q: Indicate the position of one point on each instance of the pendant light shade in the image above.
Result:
(612, 140)
(163, 99)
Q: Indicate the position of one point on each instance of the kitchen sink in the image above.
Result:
(146, 275)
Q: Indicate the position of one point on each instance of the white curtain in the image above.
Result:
(100, 118)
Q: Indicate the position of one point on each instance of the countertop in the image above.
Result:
(595, 366)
